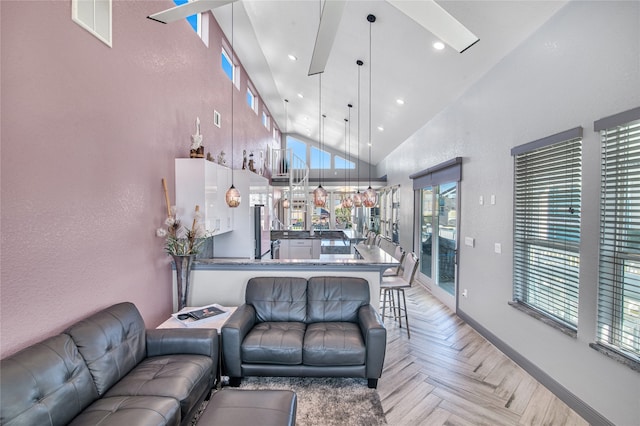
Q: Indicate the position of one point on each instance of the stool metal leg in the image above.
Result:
(404, 307)
(384, 301)
(398, 306)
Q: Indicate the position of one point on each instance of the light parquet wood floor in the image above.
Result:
(448, 374)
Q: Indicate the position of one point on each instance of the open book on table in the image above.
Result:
(193, 316)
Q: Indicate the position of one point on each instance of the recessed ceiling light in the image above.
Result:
(292, 57)
(300, 95)
(400, 101)
(438, 45)
(380, 128)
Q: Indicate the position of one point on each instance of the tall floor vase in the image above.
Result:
(183, 277)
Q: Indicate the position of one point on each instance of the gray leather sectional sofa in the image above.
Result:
(320, 327)
(108, 370)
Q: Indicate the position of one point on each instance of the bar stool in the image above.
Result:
(399, 255)
(392, 288)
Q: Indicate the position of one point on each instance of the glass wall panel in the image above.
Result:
(343, 215)
(426, 225)
(438, 251)
(447, 235)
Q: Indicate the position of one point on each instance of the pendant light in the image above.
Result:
(232, 197)
(348, 202)
(320, 194)
(370, 195)
(343, 196)
(285, 202)
(357, 197)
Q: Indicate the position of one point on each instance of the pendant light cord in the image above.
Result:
(371, 19)
(359, 63)
(349, 150)
(233, 77)
(320, 127)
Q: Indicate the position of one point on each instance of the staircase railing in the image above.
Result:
(286, 166)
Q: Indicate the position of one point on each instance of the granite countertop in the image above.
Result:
(306, 235)
(369, 255)
(328, 234)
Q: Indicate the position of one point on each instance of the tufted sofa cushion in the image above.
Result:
(45, 384)
(138, 410)
(336, 299)
(112, 342)
(274, 343)
(277, 298)
(333, 343)
(181, 377)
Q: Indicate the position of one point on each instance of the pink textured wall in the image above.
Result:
(88, 132)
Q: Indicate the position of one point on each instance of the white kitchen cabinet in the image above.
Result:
(204, 183)
(300, 249)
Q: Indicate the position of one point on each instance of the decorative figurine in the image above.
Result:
(252, 164)
(221, 160)
(210, 157)
(197, 150)
(261, 164)
(244, 159)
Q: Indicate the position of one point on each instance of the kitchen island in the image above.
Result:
(223, 280)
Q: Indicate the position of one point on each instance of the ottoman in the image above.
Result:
(240, 407)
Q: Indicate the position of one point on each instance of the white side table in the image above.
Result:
(212, 323)
(216, 323)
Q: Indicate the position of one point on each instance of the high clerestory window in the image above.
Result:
(94, 16)
(193, 20)
(341, 163)
(227, 65)
(251, 99)
(320, 159)
(547, 202)
(619, 277)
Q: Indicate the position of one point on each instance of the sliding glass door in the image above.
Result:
(447, 236)
(426, 226)
(439, 207)
(436, 227)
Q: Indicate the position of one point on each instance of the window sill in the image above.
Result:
(543, 318)
(632, 364)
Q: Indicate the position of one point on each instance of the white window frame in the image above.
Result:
(618, 327)
(234, 71)
(253, 103)
(546, 229)
(94, 16)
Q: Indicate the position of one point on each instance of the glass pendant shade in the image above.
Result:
(319, 196)
(370, 197)
(347, 203)
(233, 197)
(357, 199)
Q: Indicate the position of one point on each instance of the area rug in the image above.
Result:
(327, 401)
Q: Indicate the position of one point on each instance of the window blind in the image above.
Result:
(619, 275)
(547, 202)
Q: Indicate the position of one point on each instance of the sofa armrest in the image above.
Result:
(233, 333)
(171, 341)
(375, 340)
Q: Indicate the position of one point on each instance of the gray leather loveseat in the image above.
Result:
(108, 370)
(321, 327)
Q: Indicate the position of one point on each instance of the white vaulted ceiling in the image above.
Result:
(404, 63)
